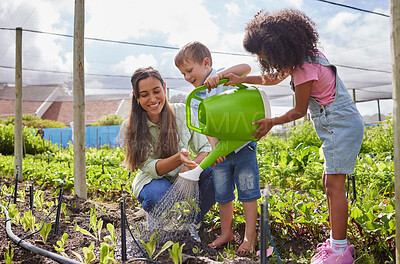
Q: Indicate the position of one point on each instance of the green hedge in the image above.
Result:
(31, 144)
(109, 120)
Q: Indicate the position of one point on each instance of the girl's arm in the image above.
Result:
(270, 79)
(302, 95)
(238, 70)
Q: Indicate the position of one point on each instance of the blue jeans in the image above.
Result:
(241, 170)
(155, 190)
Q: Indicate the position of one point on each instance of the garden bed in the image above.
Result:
(78, 212)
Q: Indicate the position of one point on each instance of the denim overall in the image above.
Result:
(339, 126)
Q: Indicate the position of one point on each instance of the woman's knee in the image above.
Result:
(152, 193)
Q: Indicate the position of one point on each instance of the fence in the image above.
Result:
(94, 136)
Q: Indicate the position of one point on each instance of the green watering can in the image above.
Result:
(228, 117)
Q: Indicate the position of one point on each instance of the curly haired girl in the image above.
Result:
(285, 43)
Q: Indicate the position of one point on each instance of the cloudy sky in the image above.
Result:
(123, 35)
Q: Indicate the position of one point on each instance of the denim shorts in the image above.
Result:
(240, 169)
(341, 130)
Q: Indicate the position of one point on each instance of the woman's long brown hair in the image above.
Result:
(137, 136)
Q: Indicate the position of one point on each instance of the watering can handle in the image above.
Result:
(192, 95)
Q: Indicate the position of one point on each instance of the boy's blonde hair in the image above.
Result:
(194, 52)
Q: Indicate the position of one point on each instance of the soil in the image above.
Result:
(78, 211)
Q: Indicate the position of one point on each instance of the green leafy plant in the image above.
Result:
(196, 250)
(45, 231)
(38, 200)
(88, 254)
(106, 256)
(28, 221)
(64, 210)
(176, 253)
(9, 254)
(111, 237)
(151, 247)
(95, 224)
(60, 248)
(21, 194)
(83, 231)
(230, 251)
(14, 214)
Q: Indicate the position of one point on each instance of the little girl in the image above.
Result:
(285, 43)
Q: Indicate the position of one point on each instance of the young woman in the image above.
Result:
(155, 135)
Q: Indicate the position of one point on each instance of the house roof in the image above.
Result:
(64, 111)
(31, 93)
(51, 102)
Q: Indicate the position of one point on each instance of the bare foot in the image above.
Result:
(246, 247)
(222, 241)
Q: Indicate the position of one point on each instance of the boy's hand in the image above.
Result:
(212, 81)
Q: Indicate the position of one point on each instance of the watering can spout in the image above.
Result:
(192, 175)
(223, 148)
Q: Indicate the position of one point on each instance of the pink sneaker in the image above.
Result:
(325, 255)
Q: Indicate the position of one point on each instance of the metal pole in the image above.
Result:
(395, 47)
(263, 239)
(123, 228)
(60, 196)
(294, 104)
(16, 185)
(31, 195)
(79, 101)
(18, 104)
(379, 110)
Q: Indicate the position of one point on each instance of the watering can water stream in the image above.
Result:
(228, 117)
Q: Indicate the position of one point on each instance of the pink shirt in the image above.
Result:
(323, 87)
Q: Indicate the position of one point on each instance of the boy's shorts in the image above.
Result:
(240, 169)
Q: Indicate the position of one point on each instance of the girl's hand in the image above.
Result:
(233, 79)
(212, 81)
(186, 161)
(219, 160)
(264, 128)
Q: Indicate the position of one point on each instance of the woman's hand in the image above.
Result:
(265, 126)
(189, 164)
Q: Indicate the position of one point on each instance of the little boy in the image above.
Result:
(238, 168)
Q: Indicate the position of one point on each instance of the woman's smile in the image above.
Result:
(152, 96)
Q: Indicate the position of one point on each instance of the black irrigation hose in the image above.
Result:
(15, 190)
(30, 247)
(44, 220)
(147, 257)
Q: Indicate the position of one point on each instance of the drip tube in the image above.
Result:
(30, 247)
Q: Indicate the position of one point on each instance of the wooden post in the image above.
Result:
(395, 47)
(79, 101)
(18, 105)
